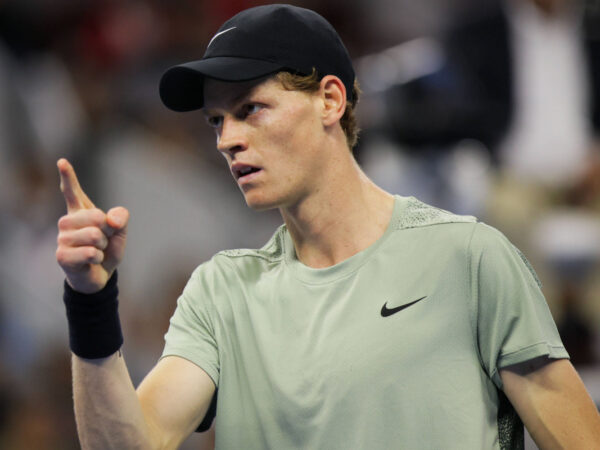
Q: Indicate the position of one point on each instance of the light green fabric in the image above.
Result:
(303, 358)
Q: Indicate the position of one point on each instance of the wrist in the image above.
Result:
(94, 325)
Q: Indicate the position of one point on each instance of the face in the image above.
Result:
(270, 138)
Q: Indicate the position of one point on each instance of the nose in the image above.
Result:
(231, 138)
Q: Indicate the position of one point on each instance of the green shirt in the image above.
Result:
(326, 359)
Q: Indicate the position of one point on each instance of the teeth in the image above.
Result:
(245, 170)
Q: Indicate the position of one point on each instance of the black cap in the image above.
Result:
(257, 42)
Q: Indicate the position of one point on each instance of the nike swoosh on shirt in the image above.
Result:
(219, 34)
(386, 312)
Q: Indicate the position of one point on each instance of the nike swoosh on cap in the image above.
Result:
(386, 312)
(219, 34)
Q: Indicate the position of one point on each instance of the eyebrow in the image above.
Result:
(243, 94)
(232, 102)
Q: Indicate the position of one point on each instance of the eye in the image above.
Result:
(250, 109)
(214, 121)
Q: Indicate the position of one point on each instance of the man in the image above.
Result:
(367, 321)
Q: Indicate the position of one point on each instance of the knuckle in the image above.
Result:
(97, 215)
(61, 239)
(64, 222)
(59, 254)
(94, 255)
(102, 243)
(89, 216)
(62, 257)
(96, 235)
(90, 253)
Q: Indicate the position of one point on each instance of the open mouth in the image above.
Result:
(244, 170)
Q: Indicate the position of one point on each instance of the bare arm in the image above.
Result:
(107, 411)
(175, 395)
(169, 404)
(553, 403)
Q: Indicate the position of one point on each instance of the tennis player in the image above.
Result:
(368, 321)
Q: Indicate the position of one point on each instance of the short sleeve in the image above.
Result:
(512, 320)
(191, 332)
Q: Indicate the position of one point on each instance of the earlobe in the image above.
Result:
(333, 93)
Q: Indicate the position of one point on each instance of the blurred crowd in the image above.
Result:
(483, 107)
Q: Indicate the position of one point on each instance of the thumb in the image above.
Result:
(116, 221)
(117, 218)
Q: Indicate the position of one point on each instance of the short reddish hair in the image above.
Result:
(312, 83)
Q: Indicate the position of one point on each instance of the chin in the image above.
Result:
(258, 203)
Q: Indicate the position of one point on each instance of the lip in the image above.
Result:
(238, 168)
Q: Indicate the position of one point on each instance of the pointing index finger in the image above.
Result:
(74, 196)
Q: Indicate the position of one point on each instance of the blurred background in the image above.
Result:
(483, 107)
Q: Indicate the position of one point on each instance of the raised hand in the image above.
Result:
(91, 243)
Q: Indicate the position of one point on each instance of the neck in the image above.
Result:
(340, 218)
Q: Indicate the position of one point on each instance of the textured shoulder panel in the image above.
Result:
(419, 214)
(271, 251)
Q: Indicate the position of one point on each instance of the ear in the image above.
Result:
(333, 94)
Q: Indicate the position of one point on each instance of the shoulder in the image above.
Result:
(417, 214)
(229, 272)
(490, 250)
(433, 226)
(427, 233)
(439, 228)
(272, 251)
(241, 262)
(486, 239)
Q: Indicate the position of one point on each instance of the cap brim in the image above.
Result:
(181, 87)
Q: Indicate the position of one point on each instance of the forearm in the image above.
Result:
(107, 409)
(554, 405)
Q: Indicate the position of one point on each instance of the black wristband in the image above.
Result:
(94, 326)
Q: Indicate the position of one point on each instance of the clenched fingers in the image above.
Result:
(84, 218)
(79, 247)
(74, 258)
(84, 237)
